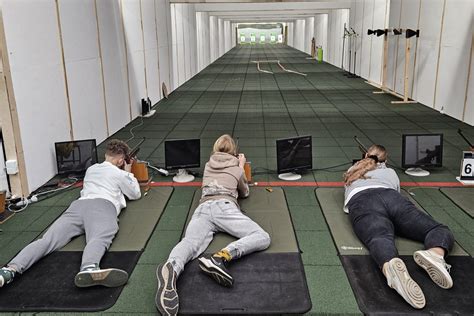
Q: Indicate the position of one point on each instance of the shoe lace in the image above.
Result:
(448, 267)
(445, 265)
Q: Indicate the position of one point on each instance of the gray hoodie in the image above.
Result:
(223, 179)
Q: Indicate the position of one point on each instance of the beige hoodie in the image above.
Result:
(223, 179)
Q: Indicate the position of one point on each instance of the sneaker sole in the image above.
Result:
(104, 277)
(216, 273)
(438, 276)
(162, 285)
(412, 292)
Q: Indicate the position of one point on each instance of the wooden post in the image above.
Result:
(406, 75)
(384, 65)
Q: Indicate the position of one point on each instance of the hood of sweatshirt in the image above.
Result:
(222, 160)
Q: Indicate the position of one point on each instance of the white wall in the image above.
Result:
(440, 58)
(150, 45)
(309, 34)
(454, 58)
(114, 64)
(131, 11)
(227, 36)
(202, 30)
(321, 32)
(33, 26)
(184, 42)
(163, 25)
(234, 34)
(299, 34)
(291, 36)
(220, 31)
(335, 31)
(115, 53)
(213, 38)
(83, 69)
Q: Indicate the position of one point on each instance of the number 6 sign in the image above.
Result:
(467, 166)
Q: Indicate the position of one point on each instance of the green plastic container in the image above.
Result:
(319, 53)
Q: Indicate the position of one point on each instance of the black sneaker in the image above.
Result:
(6, 276)
(215, 268)
(166, 299)
(105, 277)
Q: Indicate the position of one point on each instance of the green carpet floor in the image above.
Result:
(231, 96)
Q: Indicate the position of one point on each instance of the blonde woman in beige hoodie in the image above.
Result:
(218, 211)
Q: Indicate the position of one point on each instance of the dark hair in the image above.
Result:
(117, 147)
(375, 154)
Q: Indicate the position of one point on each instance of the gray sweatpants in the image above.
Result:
(97, 218)
(215, 216)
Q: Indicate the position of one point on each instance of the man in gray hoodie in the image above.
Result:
(218, 211)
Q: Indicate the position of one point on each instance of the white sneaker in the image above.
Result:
(437, 268)
(399, 280)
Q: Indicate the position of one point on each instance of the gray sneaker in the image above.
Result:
(92, 276)
(166, 299)
(6, 276)
(399, 280)
(437, 268)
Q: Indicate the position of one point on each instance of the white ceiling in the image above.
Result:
(265, 10)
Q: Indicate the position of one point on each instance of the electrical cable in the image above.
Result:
(21, 209)
(58, 189)
(132, 128)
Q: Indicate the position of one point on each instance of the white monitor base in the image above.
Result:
(290, 176)
(465, 182)
(150, 114)
(417, 172)
(183, 176)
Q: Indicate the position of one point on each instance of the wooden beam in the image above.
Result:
(101, 69)
(9, 120)
(439, 54)
(126, 59)
(63, 64)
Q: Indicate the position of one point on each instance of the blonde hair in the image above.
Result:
(225, 144)
(375, 154)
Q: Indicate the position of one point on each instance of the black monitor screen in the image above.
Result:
(75, 157)
(180, 154)
(422, 150)
(294, 154)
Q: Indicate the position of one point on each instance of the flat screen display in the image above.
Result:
(294, 154)
(74, 157)
(183, 153)
(422, 150)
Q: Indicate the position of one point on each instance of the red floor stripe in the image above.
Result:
(311, 184)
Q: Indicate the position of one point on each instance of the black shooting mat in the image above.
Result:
(268, 282)
(374, 297)
(264, 283)
(49, 284)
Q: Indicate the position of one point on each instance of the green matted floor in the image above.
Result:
(231, 96)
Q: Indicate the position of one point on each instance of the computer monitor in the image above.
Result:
(74, 157)
(421, 150)
(181, 154)
(293, 155)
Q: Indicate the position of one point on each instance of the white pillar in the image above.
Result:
(213, 38)
(227, 36)
(299, 34)
(309, 34)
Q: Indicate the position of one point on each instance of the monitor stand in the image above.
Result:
(183, 176)
(150, 113)
(417, 172)
(289, 176)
